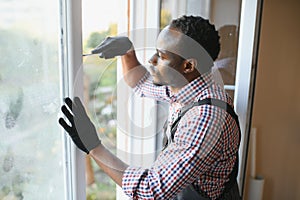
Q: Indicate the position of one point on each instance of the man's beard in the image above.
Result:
(157, 84)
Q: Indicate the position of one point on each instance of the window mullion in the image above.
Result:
(72, 85)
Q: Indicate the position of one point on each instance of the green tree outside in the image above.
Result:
(101, 78)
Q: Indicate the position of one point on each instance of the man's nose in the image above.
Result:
(153, 60)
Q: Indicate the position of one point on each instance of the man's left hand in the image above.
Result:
(82, 130)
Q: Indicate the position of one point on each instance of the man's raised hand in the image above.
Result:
(113, 46)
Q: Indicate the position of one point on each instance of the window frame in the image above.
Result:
(70, 56)
(250, 20)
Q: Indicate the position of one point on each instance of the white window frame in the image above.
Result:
(72, 85)
(148, 13)
(245, 76)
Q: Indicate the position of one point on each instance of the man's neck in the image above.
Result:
(175, 90)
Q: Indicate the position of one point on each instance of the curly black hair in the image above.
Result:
(201, 31)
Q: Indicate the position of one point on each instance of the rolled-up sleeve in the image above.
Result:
(173, 171)
(139, 183)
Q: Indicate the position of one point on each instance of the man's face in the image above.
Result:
(166, 65)
(174, 51)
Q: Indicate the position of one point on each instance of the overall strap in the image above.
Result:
(209, 101)
(228, 108)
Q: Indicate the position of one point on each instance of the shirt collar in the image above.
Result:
(192, 90)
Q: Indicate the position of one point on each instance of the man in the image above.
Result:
(201, 149)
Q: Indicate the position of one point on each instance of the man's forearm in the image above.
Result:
(133, 71)
(109, 163)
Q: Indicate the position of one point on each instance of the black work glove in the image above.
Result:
(82, 131)
(113, 46)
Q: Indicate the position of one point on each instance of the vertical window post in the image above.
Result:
(72, 85)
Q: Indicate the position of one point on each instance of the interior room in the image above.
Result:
(47, 55)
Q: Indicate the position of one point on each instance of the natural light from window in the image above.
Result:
(99, 20)
(31, 158)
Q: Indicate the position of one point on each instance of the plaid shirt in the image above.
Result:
(204, 149)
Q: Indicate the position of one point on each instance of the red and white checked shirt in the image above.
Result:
(204, 149)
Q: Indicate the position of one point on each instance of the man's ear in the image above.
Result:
(190, 65)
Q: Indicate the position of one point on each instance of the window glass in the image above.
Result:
(225, 15)
(31, 158)
(100, 80)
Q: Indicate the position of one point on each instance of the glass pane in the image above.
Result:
(31, 161)
(100, 79)
(225, 15)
